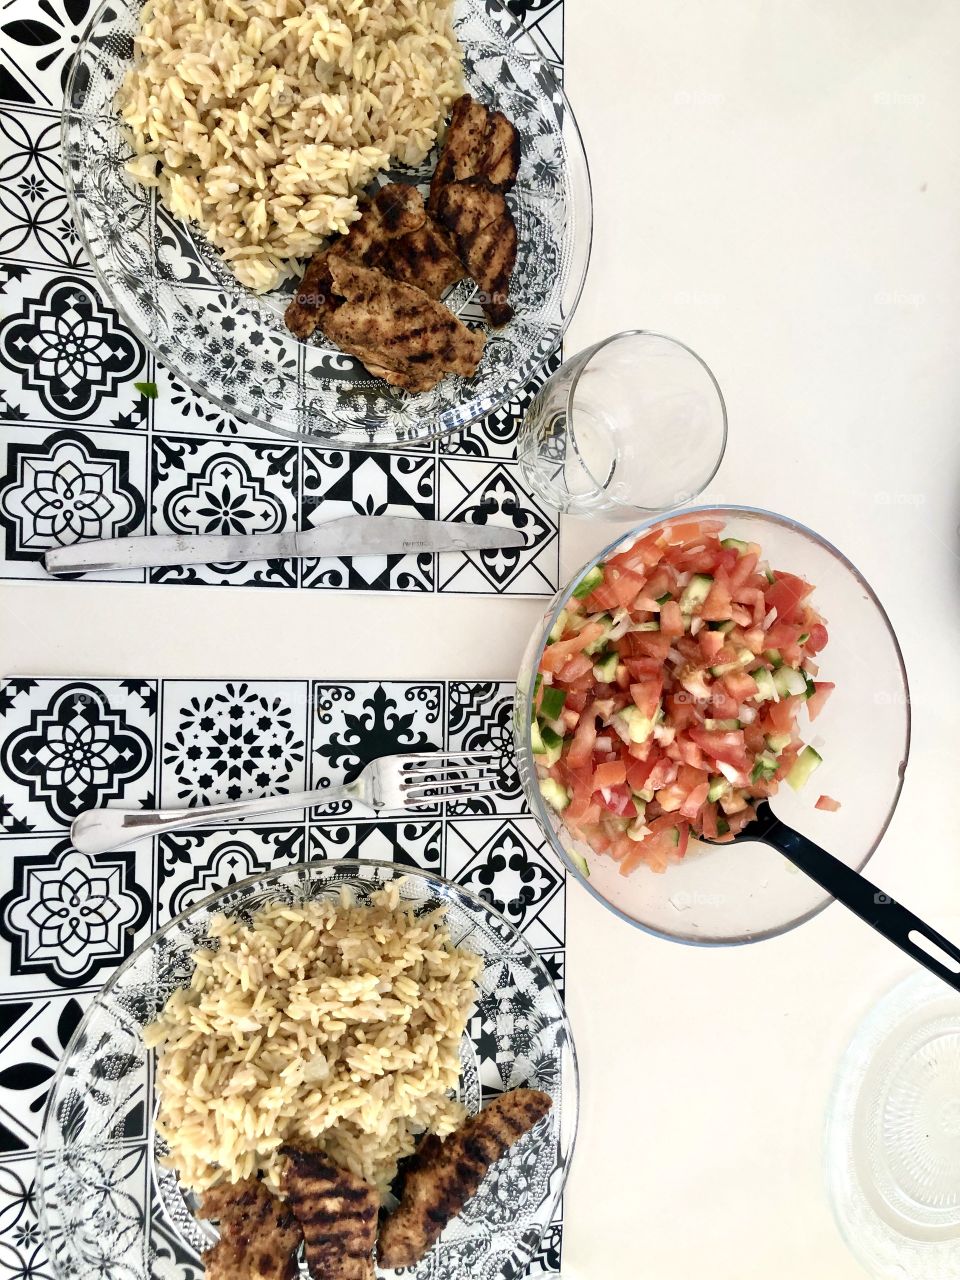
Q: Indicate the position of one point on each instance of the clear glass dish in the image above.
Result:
(231, 345)
(746, 891)
(106, 1206)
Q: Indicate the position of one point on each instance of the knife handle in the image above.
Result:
(162, 549)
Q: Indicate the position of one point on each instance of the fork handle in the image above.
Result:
(894, 922)
(101, 830)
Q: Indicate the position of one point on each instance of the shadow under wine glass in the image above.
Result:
(632, 426)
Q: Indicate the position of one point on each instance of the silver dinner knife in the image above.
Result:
(347, 536)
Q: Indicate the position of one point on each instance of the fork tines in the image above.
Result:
(449, 775)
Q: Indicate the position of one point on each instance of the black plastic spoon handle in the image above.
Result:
(855, 891)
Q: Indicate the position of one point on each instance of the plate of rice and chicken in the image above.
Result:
(361, 223)
(345, 1069)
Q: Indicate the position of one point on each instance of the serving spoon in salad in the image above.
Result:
(890, 919)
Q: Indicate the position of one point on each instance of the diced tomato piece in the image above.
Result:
(817, 639)
(828, 804)
(575, 667)
(581, 748)
(702, 561)
(711, 642)
(786, 594)
(718, 604)
(625, 586)
(683, 842)
(708, 821)
(729, 746)
(556, 655)
(642, 669)
(570, 717)
(782, 715)
(754, 738)
(638, 771)
(662, 774)
(690, 753)
(686, 533)
(648, 644)
(619, 801)
(576, 701)
(671, 619)
(612, 774)
(740, 685)
(742, 571)
(646, 696)
(723, 705)
(817, 699)
(690, 809)
(782, 634)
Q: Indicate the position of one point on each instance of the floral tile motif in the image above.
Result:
(66, 746)
(66, 355)
(371, 484)
(358, 722)
(504, 863)
(202, 486)
(68, 915)
(180, 411)
(22, 1252)
(193, 864)
(33, 1036)
(68, 486)
(35, 221)
(480, 718)
(228, 740)
(475, 492)
(496, 435)
(414, 843)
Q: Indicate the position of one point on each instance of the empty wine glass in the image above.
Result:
(632, 426)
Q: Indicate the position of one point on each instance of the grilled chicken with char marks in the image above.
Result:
(442, 1176)
(486, 237)
(337, 1212)
(399, 333)
(259, 1236)
(395, 211)
(426, 258)
(478, 143)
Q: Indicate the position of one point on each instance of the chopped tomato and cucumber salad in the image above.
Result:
(669, 694)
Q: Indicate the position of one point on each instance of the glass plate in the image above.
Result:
(231, 345)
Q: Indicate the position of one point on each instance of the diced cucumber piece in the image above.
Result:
(765, 766)
(579, 861)
(556, 796)
(789, 682)
(777, 742)
(718, 787)
(552, 743)
(803, 767)
(639, 727)
(589, 582)
(721, 726)
(725, 627)
(723, 827)
(536, 739)
(605, 668)
(803, 637)
(642, 797)
(551, 703)
(558, 628)
(675, 835)
(811, 687)
(774, 657)
(595, 646)
(646, 626)
(769, 574)
(695, 592)
(766, 688)
(664, 598)
(734, 544)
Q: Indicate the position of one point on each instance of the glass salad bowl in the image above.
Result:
(108, 1208)
(746, 891)
(231, 344)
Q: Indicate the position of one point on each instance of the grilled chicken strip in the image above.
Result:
(486, 236)
(259, 1236)
(399, 333)
(337, 1212)
(478, 143)
(395, 211)
(426, 258)
(442, 1176)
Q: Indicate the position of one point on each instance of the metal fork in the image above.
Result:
(390, 784)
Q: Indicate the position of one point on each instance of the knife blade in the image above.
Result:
(346, 536)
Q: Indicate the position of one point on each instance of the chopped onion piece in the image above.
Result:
(603, 743)
(696, 624)
(746, 715)
(770, 619)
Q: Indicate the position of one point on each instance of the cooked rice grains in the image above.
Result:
(268, 116)
(330, 1023)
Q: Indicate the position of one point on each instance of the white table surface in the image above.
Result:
(788, 203)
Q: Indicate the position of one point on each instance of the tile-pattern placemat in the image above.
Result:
(67, 919)
(84, 455)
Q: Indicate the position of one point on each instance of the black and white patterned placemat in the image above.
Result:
(67, 919)
(84, 455)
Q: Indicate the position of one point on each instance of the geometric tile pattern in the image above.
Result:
(67, 919)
